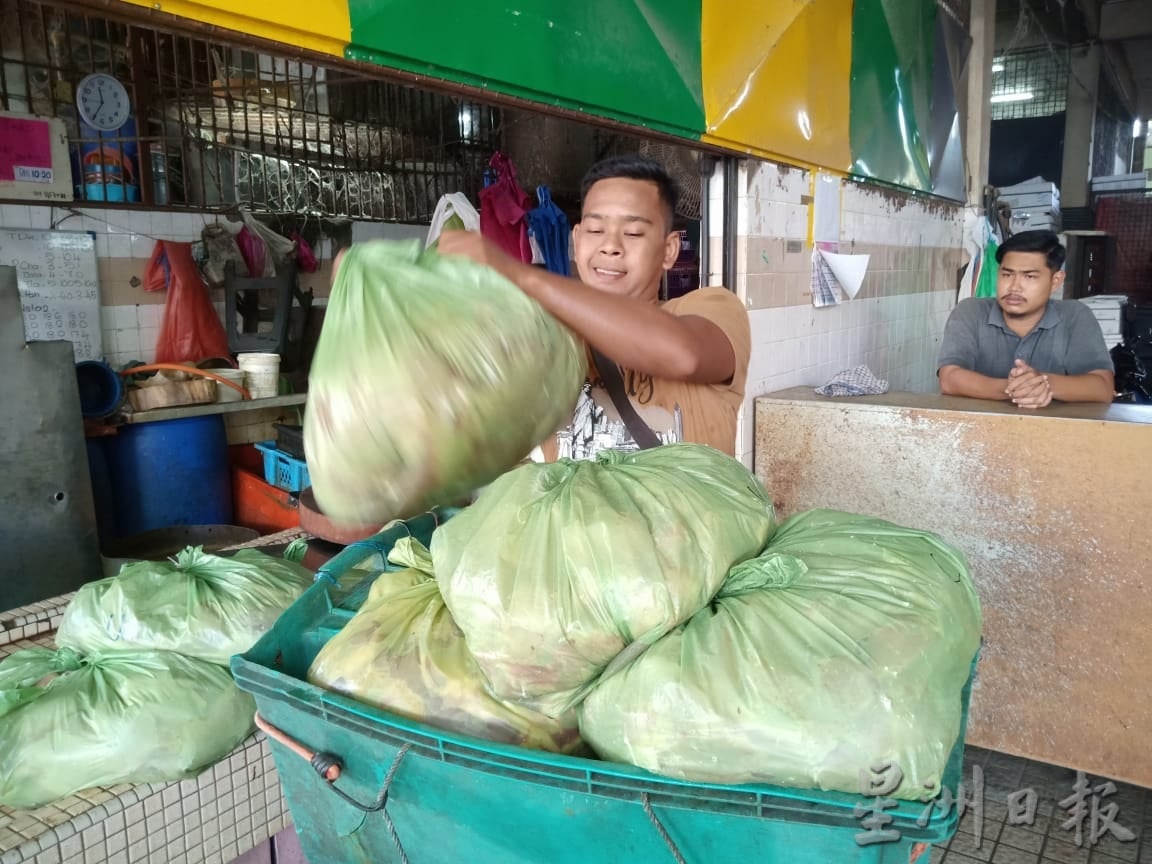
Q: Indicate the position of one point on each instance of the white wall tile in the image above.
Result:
(142, 246)
(120, 245)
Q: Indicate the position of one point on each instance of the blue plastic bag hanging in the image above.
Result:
(550, 228)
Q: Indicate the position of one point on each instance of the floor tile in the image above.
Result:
(1009, 855)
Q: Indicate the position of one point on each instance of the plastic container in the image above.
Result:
(260, 505)
(262, 374)
(290, 439)
(170, 472)
(227, 394)
(281, 470)
(455, 798)
(101, 389)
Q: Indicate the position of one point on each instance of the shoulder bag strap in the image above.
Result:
(641, 433)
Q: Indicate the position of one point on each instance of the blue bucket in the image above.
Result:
(100, 388)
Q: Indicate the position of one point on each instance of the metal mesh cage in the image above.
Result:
(1030, 83)
(217, 124)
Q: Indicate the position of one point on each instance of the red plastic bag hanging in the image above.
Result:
(504, 210)
(305, 257)
(191, 330)
(254, 251)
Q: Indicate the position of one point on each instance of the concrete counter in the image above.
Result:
(1053, 509)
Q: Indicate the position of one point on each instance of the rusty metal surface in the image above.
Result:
(1052, 513)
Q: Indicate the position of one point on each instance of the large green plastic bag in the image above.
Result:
(403, 652)
(845, 645)
(201, 605)
(69, 722)
(432, 376)
(559, 570)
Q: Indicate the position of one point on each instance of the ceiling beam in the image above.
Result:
(1125, 19)
(1090, 9)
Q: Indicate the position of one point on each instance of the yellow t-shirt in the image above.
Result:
(677, 411)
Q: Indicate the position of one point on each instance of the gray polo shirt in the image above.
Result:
(1067, 341)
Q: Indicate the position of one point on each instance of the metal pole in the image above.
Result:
(731, 217)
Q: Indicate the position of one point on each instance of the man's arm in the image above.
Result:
(958, 381)
(959, 347)
(638, 335)
(1098, 385)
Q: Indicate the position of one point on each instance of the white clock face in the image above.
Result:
(102, 102)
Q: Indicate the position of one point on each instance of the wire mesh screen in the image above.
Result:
(1030, 83)
(1128, 216)
(215, 125)
(1112, 140)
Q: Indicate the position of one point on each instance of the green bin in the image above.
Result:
(408, 792)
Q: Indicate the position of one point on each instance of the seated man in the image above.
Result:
(1022, 345)
(659, 373)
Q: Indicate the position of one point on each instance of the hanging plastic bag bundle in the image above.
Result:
(454, 212)
(432, 376)
(191, 329)
(558, 571)
(403, 652)
(69, 722)
(845, 645)
(205, 606)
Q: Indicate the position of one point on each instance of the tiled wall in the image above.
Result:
(131, 316)
(895, 322)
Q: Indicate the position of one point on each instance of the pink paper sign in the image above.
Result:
(25, 150)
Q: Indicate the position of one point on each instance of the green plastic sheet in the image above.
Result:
(845, 645)
(560, 572)
(69, 722)
(989, 271)
(205, 606)
(432, 376)
(403, 652)
(892, 76)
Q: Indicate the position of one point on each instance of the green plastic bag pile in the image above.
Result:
(846, 644)
(403, 652)
(432, 376)
(137, 690)
(561, 571)
(69, 722)
(200, 605)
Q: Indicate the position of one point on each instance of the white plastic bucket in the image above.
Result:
(261, 374)
(225, 393)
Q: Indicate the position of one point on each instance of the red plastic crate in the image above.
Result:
(261, 506)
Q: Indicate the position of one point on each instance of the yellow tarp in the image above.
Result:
(315, 25)
(778, 73)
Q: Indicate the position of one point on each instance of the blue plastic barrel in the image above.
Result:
(102, 496)
(170, 472)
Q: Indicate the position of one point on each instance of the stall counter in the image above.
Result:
(1052, 510)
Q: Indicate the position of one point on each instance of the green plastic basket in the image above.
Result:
(445, 799)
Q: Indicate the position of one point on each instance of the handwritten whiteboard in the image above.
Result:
(59, 286)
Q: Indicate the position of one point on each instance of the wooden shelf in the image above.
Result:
(183, 411)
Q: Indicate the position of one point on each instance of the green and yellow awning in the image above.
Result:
(861, 87)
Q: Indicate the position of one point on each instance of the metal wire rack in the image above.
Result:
(216, 123)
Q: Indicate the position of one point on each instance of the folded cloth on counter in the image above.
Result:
(857, 381)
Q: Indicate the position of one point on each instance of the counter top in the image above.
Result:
(1114, 412)
(181, 411)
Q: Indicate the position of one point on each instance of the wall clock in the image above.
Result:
(103, 102)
